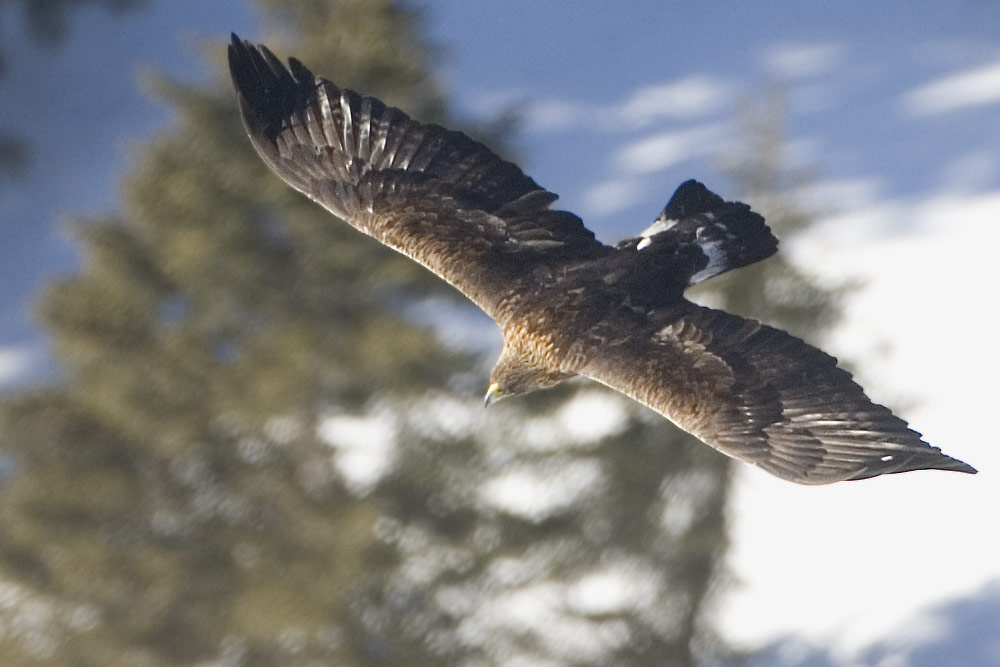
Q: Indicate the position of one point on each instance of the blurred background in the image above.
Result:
(233, 431)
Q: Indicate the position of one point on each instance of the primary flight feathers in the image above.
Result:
(567, 304)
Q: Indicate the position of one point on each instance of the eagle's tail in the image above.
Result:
(728, 234)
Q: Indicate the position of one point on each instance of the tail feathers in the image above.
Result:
(728, 234)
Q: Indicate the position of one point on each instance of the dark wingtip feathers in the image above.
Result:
(267, 89)
(691, 198)
(300, 72)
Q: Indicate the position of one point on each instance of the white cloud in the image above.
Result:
(977, 87)
(794, 61)
(666, 149)
(686, 98)
(491, 102)
(842, 195)
(802, 152)
(552, 115)
(811, 98)
(611, 196)
(538, 114)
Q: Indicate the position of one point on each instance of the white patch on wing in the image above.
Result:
(661, 225)
(716, 263)
(664, 224)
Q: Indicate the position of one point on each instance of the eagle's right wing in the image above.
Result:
(761, 395)
(728, 234)
(430, 193)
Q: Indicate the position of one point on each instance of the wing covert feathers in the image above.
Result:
(764, 396)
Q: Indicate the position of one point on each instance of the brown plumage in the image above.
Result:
(567, 304)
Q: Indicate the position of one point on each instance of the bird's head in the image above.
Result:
(515, 373)
(510, 380)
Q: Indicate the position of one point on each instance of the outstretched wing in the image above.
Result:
(428, 192)
(764, 396)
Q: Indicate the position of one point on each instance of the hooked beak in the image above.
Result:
(492, 394)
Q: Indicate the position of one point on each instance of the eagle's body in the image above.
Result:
(567, 304)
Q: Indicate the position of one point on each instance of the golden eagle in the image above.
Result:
(567, 304)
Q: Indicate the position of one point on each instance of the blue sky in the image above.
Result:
(894, 105)
(600, 53)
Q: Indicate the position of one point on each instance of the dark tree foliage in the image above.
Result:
(204, 487)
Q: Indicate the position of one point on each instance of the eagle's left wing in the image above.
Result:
(761, 395)
(430, 193)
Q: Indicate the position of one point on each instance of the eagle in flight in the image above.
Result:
(567, 304)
